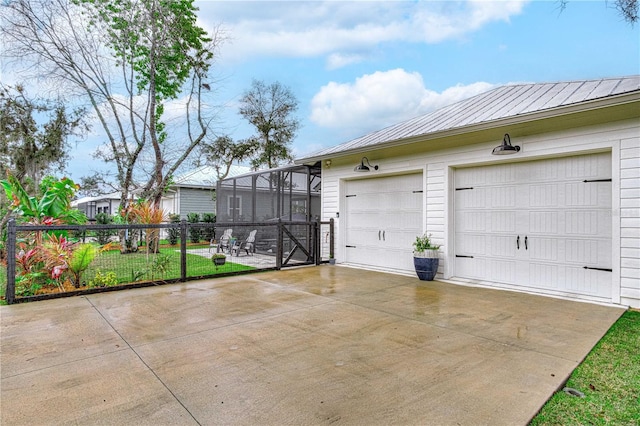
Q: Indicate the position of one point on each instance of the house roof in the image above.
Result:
(83, 200)
(206, 176)
(513, 100)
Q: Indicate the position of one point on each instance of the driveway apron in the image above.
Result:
(306, 346)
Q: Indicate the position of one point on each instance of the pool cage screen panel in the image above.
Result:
(287, 194)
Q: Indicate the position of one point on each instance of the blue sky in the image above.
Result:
(359, 66)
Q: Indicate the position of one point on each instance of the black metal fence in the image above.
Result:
(44, 262)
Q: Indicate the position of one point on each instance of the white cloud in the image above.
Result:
(343, 31)
(339, 60)
(383, 98)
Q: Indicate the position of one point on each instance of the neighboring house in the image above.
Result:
(194, 191)
(107, 203)
(560, 216)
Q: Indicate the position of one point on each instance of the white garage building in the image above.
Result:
(558, 216)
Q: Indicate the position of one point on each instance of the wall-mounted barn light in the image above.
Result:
(362, 168)
(506, 147)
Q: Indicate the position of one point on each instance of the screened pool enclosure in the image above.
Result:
(288, 193)
(283, 207)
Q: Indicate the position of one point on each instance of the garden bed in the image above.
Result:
(110, 268)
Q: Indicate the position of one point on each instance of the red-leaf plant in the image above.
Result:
(56, 252)
(27, 259)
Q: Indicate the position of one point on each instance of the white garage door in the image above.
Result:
(383, 218)
(542, 225)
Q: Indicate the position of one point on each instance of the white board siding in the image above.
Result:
(435, 211)
(630, 221)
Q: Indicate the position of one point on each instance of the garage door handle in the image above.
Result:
(598, 269)
(518, 242)
(379, 235)
(383, 236)
(525, 243)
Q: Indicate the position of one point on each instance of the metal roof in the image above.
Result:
(500, 103)
(105, 197)
(206, 176)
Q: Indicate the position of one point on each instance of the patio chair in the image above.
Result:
(248, 245)
(224, 242)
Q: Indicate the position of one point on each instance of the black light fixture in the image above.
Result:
(362, 168)
(506, 147)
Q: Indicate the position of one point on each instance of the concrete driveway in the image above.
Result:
(308, 346)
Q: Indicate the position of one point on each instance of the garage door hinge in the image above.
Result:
(348, 246)
(464, 189)
(462, 255)
(352, 195)
(596, 180)
(598, 269)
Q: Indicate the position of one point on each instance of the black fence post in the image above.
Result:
(280, 244)
(10, 294)
(183, 250)
(331, 252)
(316, 242)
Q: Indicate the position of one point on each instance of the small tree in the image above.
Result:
(148, 213)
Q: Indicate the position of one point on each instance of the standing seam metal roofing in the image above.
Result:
(495, 104)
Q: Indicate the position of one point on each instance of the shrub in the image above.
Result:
(104, 280)
(195, 233)
(103, 235)
(79, 261)
(174, 233)
(209, 231)
(29, 284)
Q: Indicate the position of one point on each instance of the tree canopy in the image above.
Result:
(628, 9)
(131, 61)
(224, 151)
(270, 109)
(34, 135)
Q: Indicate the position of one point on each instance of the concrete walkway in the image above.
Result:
(309, 346)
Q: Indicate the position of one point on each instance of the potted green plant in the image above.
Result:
(425, 257)
(218, 259)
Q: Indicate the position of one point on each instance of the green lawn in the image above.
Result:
(142, 267)
(609, 378)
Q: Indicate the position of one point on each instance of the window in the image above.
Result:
(299, 206)
(234, 206)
